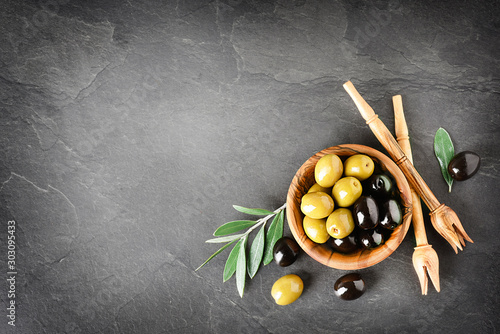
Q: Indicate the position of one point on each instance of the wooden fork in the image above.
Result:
(425, 258)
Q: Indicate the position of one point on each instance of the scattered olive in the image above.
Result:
(339, 223)
(287, 289)
(285, 251)
(380, 186)
(464, 165)
(350, 286)
(328, 170)
(360, 166)
(366, 213)
(317, 205)
(370, 238)
(391, 215)
(316, 229)
(346, 191)
(345, 245)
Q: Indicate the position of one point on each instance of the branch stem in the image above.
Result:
(264, 220)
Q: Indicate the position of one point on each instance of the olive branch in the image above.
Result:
(261, 250)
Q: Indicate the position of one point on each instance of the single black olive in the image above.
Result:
(391, 215)
(370, 238)
(350, 286)
(366, 213)
(464, 165)
(380, 186)
(285, 251)
(386, 233)
(345, 245)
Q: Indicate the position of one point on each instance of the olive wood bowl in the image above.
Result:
(323, 253)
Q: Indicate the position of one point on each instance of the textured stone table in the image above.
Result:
(130, 128)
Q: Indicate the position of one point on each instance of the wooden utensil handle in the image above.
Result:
(402, 135)
(403, 139)
(387, 140)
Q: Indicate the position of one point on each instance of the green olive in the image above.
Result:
(316, 229)
(317, 205)
(287, 289)
(328, 170)
(340, 223)
(316, 187)
(346, 191)
(360, 166)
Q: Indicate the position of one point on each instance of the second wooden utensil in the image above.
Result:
(444, 219)
(425, 259)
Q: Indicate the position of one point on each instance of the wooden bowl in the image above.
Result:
(323, 253)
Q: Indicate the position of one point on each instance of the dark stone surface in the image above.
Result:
(129, 128)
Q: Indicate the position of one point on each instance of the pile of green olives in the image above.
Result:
(353, 205)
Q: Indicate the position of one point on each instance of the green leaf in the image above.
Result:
(215, 254)
(444, 151)
(256, 252)
(255, 212)
(225, 239)
(274, 233)
(234, 226)
(241, 267)
(230, 266)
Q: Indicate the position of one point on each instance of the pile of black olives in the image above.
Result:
(353, 205)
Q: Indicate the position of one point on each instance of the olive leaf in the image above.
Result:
(237, 261)
(254, 212)
(444, 151)
(230, 266)
(241, 267)
(225, 239)
(256, 252)
(234, 226)
(274, 233)
(215, 254)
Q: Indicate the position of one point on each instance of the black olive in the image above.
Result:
(386, 233)
(345, 245)
(365, 212)
(464, 165)
(285, 251)
(380, 186)
(350, 286)
(391, 215)
(370, 238)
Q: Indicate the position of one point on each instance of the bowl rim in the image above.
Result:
(302, 181)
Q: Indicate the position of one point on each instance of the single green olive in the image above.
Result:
(287, 289)
(328, 170)
(316, 229)
(317, 205)
(340, 223)
(316, 187)
(346, 191)
(360, 166)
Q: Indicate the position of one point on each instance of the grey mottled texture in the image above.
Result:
(129, 128)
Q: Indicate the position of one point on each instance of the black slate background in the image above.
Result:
(130, 128)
